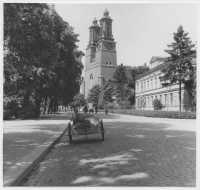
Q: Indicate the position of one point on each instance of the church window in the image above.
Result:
(108, 29)
(91, 81)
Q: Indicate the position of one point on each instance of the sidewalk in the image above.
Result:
(26, 141)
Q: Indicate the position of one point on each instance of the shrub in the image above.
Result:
(125, 105)
(157, 105)
(109, 105)
(157, 113)
(11, 108)
(28, 112)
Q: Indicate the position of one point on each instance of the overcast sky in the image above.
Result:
(140, 30)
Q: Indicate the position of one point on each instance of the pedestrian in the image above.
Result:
(85, 109)
(106, 110)
(96, 109)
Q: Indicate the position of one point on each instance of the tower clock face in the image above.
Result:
(109, 45)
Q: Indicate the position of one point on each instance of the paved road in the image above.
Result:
(137, 151)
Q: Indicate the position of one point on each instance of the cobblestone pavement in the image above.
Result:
(133, 154)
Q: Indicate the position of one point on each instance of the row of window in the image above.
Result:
(108, 63)
(149, 85)
(149, 99)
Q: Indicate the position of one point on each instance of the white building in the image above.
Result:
(149, 87)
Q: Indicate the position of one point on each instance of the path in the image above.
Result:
(137, 151)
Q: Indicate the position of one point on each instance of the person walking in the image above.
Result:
(96, 109)
(106, 110)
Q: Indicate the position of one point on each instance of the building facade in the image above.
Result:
(148, 86)
(101, 54)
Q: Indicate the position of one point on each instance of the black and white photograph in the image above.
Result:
(99, 94)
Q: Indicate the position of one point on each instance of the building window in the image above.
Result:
(151, 99)
(144, 86)
(148, 101)
(155, 82)
(91, 81)
(151, 84)
(165, 99)
(106, 63)
(110, 63)
(161, 98)
(147, 85)
(138, 87)
(171, 99)
(155, 97)
(141, 87)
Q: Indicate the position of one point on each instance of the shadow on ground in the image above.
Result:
(133, 154)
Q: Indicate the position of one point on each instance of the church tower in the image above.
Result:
(101, 55)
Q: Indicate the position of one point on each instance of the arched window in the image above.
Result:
(91, 80)
(108, 28)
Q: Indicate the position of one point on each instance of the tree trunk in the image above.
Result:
(37, 104)
(180, 95)
(26, 100)
(45, 102)
(50, 105)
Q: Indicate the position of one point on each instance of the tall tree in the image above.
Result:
(41, 59)
(106, 93)
(94, 93)
(136, 71)
(120, 80)
(178, 67)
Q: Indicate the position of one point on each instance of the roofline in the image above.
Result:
(154, 69)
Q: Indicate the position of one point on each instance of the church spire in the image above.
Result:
(106, 26)
(94, 32)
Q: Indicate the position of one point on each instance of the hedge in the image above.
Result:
(156, 113)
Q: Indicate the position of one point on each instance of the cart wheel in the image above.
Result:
(70, 136)
(102, 130)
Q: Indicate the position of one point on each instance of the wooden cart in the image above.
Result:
(85, 129)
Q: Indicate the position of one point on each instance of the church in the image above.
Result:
(101, 54)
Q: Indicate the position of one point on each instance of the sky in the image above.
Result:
(140, 30)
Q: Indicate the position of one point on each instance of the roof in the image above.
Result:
(157, 58)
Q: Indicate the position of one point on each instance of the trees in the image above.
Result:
(142, 102)
(79, 100)
(41, 60)
(106, 93)
(157, 104)
(93, 96)
(178, 67)
(120, 80)
(136, 71)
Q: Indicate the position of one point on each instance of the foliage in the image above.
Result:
(157, 113)
(142, 102)
(107, 93)
(79, 100)
(41, 60)
(109, 105)
(120, 80)
(11, 108)
(94, 94)
(28, 112)
(134, 72)
(178, 67)
(157, 105)
(124, 105)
